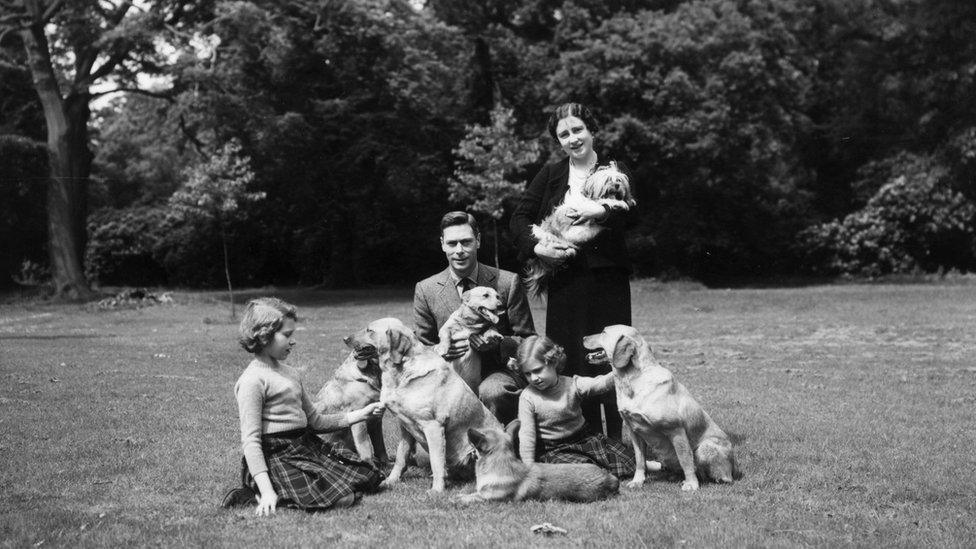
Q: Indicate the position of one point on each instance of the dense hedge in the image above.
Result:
(23, 165)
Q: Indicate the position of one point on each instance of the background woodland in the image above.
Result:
(318, 142)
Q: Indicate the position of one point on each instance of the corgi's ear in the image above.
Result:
(478, 439)
(399, 345)
(623, 351)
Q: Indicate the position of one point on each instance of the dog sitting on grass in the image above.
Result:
(608, 187)
(500, 476)
(478, 314)
(660, 414)
(354, 384)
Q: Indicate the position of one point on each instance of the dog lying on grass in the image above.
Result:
(660, 413)
(503, 477)
(354, 384)
(606, 186)
(478, 314)
(432, 403)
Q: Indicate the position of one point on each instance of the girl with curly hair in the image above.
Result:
(285, 464)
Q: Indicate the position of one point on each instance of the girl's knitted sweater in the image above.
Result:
(271, 399)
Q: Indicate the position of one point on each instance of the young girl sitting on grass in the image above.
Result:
(552, 427)
(284, 460)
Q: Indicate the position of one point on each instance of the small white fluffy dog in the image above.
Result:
(608, 187)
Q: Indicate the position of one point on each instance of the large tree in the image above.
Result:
(72, 47)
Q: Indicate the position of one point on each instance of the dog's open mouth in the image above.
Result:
(597, 357)
(488, 314)
(365, 352)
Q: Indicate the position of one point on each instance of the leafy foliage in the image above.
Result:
(217, 188)
(22, 228)
(914, 222)
(493, 158)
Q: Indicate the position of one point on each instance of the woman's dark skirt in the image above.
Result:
(310, 474)
(589, 446)
(581, 302)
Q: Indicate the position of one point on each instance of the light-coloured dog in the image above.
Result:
(503, 477)
(607, 186)
(478, 314)
(433, 405)
(354, 384)
(659, 413)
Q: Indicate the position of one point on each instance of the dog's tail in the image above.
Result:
(537, 274)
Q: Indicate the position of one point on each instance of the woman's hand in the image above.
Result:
(587, 211)
(555, 254)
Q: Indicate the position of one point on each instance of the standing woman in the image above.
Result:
(591, 287)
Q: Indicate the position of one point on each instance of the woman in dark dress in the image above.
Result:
(591, 287)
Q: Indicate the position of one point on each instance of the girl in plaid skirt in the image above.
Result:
(552, 426)
(284, 461)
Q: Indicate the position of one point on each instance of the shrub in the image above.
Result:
(23, 229)
(123, 245)
(915, 221)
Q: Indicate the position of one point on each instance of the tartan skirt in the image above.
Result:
(588, 446)
(310, 474)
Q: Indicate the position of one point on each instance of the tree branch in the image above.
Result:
(158, 95)
(51, 11)
(116, 18)
(109, 65)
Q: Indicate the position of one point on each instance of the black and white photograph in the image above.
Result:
(487, 273)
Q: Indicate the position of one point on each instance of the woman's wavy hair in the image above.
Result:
(541, 349)
(578, 110)
(262, 318)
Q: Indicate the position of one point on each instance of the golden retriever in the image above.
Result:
(607, 186)
(478, 314)
(354, 384)
(433, 405)
(659, 413)
(503, 477)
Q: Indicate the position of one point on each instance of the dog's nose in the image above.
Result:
(347, 340)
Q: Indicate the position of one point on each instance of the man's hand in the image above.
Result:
(485, 343)
(459, 346)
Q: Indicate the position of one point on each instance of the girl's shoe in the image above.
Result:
(239, 497)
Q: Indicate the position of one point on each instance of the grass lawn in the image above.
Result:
(853, 409)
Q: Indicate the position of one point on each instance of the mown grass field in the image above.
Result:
(853, 408)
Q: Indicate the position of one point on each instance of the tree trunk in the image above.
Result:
(230, 289)
(494, 226)
(70, 166)
(483, 82)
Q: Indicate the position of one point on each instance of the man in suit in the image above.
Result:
(436, 297)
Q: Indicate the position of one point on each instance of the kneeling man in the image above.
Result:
(436, 297)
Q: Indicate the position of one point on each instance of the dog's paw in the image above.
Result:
(689, 486)
(635, 484)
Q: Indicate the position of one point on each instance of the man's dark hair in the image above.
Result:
(451, 219)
